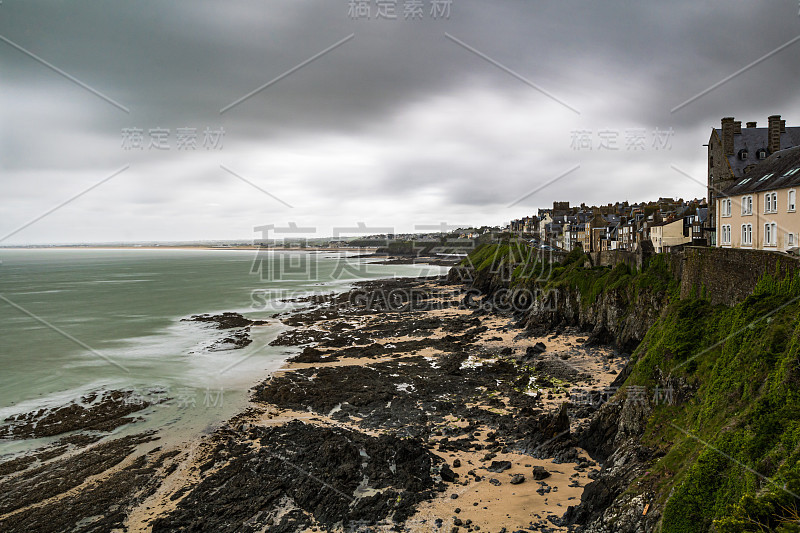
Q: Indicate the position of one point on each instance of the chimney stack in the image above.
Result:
(752, 124)
(737, 127)
(727, 135)
(774, 133)
(783, 126)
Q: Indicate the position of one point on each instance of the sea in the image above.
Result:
(76, 320)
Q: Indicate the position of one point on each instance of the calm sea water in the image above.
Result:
(79, 320)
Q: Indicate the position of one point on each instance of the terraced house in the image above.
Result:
(733, 152)
(759, 211)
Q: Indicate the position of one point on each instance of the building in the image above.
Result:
(734, 151)
(760, 210)
(627, 235)
(665, 235)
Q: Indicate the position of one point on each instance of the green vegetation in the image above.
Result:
(526, 270)
(734, 454)
(730, 442)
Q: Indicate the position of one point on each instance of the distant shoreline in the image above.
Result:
(199, 247)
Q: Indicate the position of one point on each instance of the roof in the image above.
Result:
(666, 223)
(751, 139)
(778, 171)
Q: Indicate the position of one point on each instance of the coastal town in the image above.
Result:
(753, 175)
(400, 266)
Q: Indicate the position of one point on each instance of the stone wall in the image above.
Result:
(727, 275)
(614, 257)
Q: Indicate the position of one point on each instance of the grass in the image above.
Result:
(731, 444)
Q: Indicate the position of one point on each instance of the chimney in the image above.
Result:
(737, 127)
(783, 126)
(752, 124)
(774, 133)
(727, 135)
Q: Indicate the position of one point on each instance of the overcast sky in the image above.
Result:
(397, 123)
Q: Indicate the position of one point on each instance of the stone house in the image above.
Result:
(734, 151)
(759, 211)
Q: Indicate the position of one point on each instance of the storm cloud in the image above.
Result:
(404, 123)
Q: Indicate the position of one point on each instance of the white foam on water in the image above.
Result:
(173, 357)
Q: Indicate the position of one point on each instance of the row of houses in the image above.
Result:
(753, 179)
(664, 224)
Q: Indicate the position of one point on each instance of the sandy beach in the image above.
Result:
(469, 412)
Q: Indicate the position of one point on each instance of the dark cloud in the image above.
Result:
(400, 125)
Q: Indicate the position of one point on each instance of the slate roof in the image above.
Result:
(752, 139)
(778, 171)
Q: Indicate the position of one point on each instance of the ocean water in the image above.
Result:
(79, 320)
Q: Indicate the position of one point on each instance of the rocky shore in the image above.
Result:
(236, 325)
(406, 405)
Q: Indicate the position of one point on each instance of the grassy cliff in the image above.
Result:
(727, 445)
(732, 445)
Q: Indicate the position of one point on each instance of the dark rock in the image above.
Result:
(499, 466)
(446, 474)
(226, 320)
(97, 411)
(539, 473)
(318, 468)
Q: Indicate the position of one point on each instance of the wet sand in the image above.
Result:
(466, 389)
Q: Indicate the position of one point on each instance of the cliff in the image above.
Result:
(618, 305)
(704, 430)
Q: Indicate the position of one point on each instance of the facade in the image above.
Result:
(734, 151)
(627, 235)
(665, 235)
(759, 211)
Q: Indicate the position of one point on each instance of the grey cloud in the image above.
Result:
(341, 131)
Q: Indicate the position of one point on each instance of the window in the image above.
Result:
(771, 202)
(790, 240)
(765, 177)
(725, 234)
(770, 234)
(725, 204)
(792, 172)
(747, 205)
(744, 181)
(747, 234)
(792, 200)
(742, 154)
(761, 154)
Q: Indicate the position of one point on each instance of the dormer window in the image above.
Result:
(742, 154)
(761, 154)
